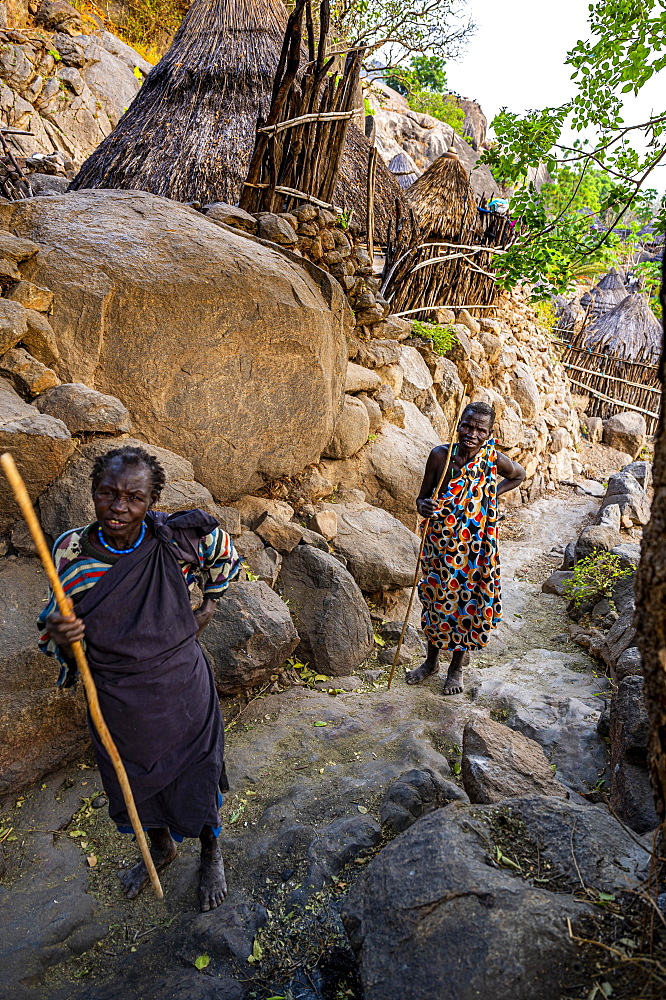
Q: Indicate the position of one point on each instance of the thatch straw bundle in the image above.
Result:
(404, 169)
(190, 130)
(629, 331)
(443, 202)
(606, 294)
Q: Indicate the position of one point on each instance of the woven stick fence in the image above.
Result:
(299, 146)
(612, 383)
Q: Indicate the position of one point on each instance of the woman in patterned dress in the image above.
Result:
(460, 587)
(129, 574)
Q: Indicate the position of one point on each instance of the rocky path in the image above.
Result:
(320, 781)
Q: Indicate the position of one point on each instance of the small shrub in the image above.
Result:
(546, 315)
(441, 106)
(594, 577)
(443, 337)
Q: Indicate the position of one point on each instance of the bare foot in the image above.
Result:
(420, 673)
(454, 681)
(212, 881)
(162, 850)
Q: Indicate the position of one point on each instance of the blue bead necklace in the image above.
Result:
(122, 552)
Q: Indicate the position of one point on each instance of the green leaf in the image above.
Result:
(202, 962)
(362, 810)
(320, 723)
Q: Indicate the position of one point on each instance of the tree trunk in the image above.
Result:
(651, 609)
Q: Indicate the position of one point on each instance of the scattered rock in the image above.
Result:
(631, 793)
(325, 522)
(611, 516)
(626, 432)
(13, 324)
(27, 374)
(556, 581)
(629, 553)
(374, 411)
(597, 536)
(277, 230)
(381, 552)
(641, 472)
(22, 541)
(32, 296)
(40, 339)
(524, 390)
(249, 638)
(498, 763)
(85, 410)
(360, 379)
(265, 564)
(40, 445)
(351, 430)
(328, 609)
(282, 535)
(416, 793)
(252, 509)
(231, 215)
(592, 488)
(629, 663)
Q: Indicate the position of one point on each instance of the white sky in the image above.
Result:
(516, 60)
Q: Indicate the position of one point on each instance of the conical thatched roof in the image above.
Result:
(404, 169)
(443, 202)
(190, 130)
(606, 294)
(629, 331)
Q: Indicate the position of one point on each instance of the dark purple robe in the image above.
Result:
(155, 686)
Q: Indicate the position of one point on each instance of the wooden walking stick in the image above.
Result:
(66, 608)
(447, 466)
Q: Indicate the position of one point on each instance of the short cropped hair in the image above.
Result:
(130, 455)
(482, 410)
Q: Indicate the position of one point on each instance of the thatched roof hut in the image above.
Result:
(404, 169)
(190, 130)
(606, 294)
(446, 212)
(629, 331)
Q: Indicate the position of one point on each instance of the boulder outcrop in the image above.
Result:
(243, 352)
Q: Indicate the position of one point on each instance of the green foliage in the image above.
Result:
(367, 107)
(556, 237)
(55, 54)
(546, 315)
(594, 577)
(201, 962)
(443, 337)
(650, 274)
(442, 106)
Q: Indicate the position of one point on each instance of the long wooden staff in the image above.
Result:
(417, 574)
(66, 608)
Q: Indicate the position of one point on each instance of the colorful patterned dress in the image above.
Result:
(460, 588)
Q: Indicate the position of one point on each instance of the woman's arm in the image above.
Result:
(425, 505)
(512, 472)
(219, 563)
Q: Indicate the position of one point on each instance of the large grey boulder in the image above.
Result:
(84, 410)
(434, 887)
(250, 636)
(642, 473)
(41, 728)
(626, 432)
(328, 609)
(134, 275)
(381, 552)
(597, 536)
(351, 429)
(631, 792)
(67, 502)
(39, 443)
(110, 79)
(499, 763)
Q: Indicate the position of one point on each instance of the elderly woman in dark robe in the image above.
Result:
(130, 574)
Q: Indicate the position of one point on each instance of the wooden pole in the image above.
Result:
(66, 608)
(447, 466)
(370, 196)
